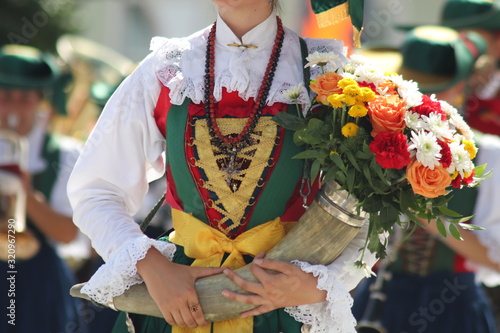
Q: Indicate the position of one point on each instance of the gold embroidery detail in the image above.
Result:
(234, 198)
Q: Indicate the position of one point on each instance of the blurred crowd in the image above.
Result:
(49, 103)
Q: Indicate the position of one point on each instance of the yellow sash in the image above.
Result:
(208, 245)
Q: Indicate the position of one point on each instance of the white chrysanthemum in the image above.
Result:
(413, 120)
(294, 92)
(460, 161)
(368, 73)
(434, 123)
(408, 90)
(428, 150)
(323, 58)
(457, 120)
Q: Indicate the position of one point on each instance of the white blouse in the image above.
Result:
(126, 150)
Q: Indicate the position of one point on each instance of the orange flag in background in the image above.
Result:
(342, 30)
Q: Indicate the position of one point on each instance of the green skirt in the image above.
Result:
(276, 321)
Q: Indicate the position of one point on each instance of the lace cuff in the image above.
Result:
(119, 273)
(332, 315)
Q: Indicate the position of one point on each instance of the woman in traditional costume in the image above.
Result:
(207, 101)
(36, 278)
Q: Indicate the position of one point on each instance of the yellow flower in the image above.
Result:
(350, 130)
(470, 148)
(352, 90)
(454, 174)
(358, 110)
(335, 100)
(367, 94)
(346, 82)
(333, 153)
(348, 99)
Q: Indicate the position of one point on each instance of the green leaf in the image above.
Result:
(297, 139)
(388, 217)
(290, 121)
(441, 228)
(308, 154)
(467, 226)
(404, 200)
(315, 167)
(338, 161)
(353, 161)
(479, 170)
(330, 174)
(448, 212)
(351, 177)
(368, 175)
(454, 231)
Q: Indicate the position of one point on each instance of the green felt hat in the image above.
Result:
(484, 14)
(329, 12)
(439, 57)
(25, 67)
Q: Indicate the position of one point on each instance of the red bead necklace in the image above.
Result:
(233, 144)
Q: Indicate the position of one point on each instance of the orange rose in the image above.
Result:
(387, 114)
(326, 85)
(427, 182)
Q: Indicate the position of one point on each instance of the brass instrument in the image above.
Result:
(16, 241)
(90, 63)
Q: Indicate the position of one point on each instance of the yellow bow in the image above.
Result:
(208, 245)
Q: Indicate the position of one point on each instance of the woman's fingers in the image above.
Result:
(200, 272)
(253, 287)
(247, 299)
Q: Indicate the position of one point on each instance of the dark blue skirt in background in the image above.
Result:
(42, 301)
(442, 302)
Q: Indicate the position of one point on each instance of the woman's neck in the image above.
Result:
(242, 20)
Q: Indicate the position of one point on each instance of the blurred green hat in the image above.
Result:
(439, 57)
(25, 67)
(484, 14)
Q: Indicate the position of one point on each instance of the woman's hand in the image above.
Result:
(172, 288)
(289, 286)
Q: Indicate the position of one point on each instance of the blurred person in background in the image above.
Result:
(482, 16)
(432, 286)
(218, 88)
(31, 92)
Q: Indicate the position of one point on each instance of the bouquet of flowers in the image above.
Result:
(397, 151)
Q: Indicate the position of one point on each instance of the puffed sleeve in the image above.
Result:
(487, 214)
(123, 153)
(337, 279)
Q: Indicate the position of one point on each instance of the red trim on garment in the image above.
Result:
(163, 105)
(171, 198)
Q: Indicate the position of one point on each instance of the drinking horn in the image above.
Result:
(319, 237)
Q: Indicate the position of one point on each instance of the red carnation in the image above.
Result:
(391, 150)
(428, 106)
(445, 152)
(363, 84)
(459, 180)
